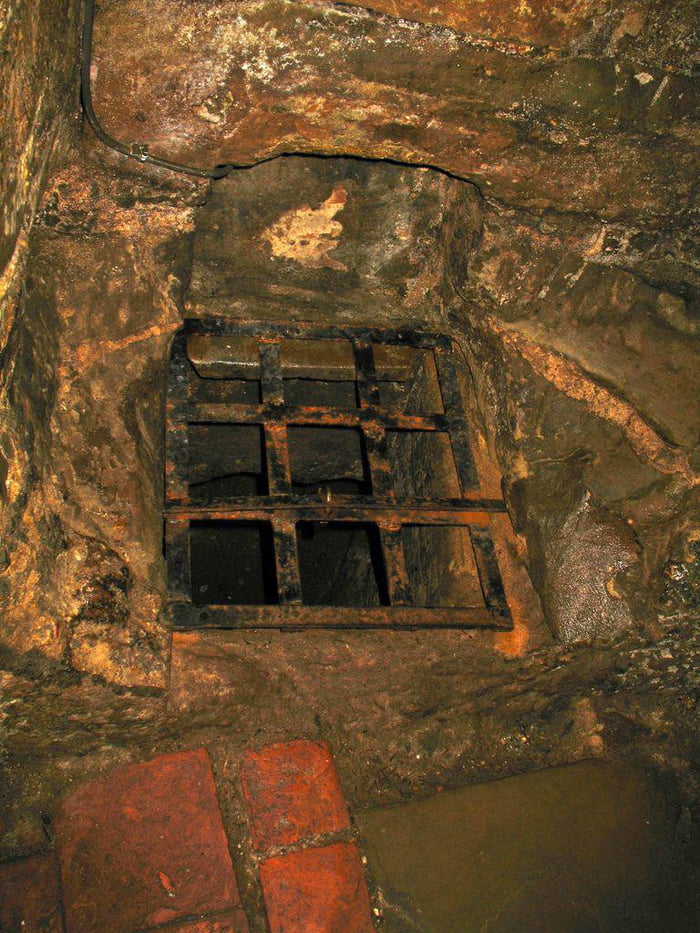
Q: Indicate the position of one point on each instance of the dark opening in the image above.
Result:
(423, 464)
(341, 564)
(441, 566)
(413, 389)
(337, 442)
(328, 460)
(210, 391)
(226, 460)
(318, 393)
(232, 563)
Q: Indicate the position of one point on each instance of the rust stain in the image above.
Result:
(573, 381)
(308, 235)
(91, 351)
(523, 603)
(513, 644)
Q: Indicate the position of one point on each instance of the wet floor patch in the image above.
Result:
(589, 847)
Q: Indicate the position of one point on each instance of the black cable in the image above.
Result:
(137, 151)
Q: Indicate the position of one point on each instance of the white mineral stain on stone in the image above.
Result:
(307, 235)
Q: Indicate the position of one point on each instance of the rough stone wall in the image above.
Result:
(243, 81)
(84, 578)
(655, 32)
(589, 386)
(569, 280)
(38, 68)
(38, 124)
(569, 271)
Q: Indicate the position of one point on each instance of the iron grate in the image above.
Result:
(266, 364)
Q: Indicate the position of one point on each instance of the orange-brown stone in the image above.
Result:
(319, 890)
(292, 792)
(145, 845)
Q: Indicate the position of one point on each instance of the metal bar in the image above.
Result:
(279, 474)
(214, 324)
(186, 616)
(177, 550)
(395, 563)
(489, 574)
(378, 460)
(459, 432)
(362, 503)
(279, 477)
(374, 433)
(221, 412)
(333, 513)
(176, 420)
(284, 510)
(287, 562)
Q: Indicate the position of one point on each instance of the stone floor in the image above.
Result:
(586, 848)
(143, 848)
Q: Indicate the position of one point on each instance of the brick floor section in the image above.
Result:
(292, 792)
(145, 845)
(317, 890)
(29, 896)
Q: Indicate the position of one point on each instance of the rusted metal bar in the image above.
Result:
(374, 433)
(334, 512)
(176, 420)
(279, 474)
(395, 565)
(224, 413)
(286, 562)
(211, 324)
(378, 459)
(186, 616)
(366, 375)
(489, 574)
(177, 550)
(362, 503)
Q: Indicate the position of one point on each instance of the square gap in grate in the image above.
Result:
(328, 461)
(318, 393)
(341, 564)
(441, 567)
(210, 391)
(413, 389)
(422, 464)
(232, 563)
(225, 461)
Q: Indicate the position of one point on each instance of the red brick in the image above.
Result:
(30, 901)
(318, 890)
(292, 792)
(232, 922)
(144, 845)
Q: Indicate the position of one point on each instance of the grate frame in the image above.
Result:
(284, 509)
